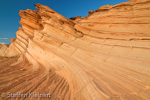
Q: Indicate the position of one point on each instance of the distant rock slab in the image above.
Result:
(12, 39)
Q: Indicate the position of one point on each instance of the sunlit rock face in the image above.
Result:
(104, 56)
(12, 39)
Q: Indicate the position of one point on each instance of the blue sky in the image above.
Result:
(9, 9)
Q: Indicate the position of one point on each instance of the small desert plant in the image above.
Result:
(5, 56)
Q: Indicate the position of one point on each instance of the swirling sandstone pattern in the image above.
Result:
(104, 56)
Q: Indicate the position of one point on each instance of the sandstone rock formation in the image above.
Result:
(12, 39)
(104, 56)
(3, 48)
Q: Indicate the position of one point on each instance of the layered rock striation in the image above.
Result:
(104, 56)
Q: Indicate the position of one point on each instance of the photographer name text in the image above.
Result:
(20, 95)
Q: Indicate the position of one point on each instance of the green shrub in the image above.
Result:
(5, 57)
(12, 57)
